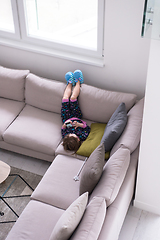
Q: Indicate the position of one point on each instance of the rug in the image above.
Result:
(18, 187)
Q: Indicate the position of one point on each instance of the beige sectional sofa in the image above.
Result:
(94, 206)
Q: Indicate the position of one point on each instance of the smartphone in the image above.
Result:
(68, 124)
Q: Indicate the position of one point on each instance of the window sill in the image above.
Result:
(95, 61)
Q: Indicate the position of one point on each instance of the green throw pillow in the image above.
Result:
(93, 140)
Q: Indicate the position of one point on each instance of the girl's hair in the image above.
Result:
(71, 143)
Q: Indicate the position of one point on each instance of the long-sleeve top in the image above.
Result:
(81, 132)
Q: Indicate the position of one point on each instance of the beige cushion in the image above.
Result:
(131, 135)
(113, 176)
(70, 219)
(98, 105)
(92, 221)
(92, 170)
(35, 129)
(12, 83)
(44, 93)
(9, 110)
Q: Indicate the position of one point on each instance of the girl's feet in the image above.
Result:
(78, 76)
(70, 78)
(74, 77)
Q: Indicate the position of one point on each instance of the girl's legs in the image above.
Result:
(65, 108)
(74, 107)
(68, 91)
(76, 91)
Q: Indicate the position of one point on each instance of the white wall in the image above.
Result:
(148, 178)
(126, 53)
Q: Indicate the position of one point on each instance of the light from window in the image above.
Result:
(6, 16)
(71, 22)
(67, 26)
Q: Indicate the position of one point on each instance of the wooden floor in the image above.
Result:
(138, 225)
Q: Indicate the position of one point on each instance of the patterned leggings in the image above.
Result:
(70, 109)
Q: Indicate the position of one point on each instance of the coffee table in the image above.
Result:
(4, 171)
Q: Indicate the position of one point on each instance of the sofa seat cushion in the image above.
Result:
(36, 222)
(44, 93)
(9, 110)
(12, 83)
(131, 135)
(57, 186)
(35, 129)
(98, 104)
(113, 175)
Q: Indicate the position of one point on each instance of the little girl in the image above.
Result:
(74, 129)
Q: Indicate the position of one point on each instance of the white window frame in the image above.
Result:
(21, 33)
(16, 33)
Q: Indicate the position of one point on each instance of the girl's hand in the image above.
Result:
(77, 124)
(64, 126)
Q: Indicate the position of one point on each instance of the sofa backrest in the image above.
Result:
(98, 104)
(44, 93)
(12, 83)
(113, 176)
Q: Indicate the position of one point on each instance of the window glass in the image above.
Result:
(72, 22)
(6, 16)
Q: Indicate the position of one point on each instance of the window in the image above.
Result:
(9, 19)
(6, 16)
(68, 25)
